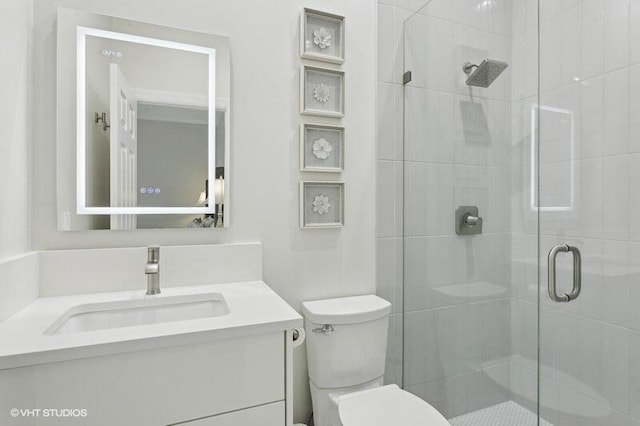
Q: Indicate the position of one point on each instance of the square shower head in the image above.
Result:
(485, 73)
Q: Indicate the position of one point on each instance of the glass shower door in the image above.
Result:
(470, 229)
(589, 166)
(548, 155)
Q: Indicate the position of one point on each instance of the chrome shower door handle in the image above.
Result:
(577, 273)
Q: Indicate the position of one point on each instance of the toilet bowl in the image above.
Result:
(346, 351)
(386, 406)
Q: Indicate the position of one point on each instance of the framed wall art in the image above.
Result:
(322, 36)
(321, 92)
(321, 204)
(321, 148)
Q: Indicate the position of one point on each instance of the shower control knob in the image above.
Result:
(470, 220)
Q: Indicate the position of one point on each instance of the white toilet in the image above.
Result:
(346, 350)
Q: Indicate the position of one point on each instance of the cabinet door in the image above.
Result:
(264, 415)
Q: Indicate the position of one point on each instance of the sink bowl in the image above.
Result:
(136, 312)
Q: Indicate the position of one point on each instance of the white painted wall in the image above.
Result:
(15, 124)
(18, 267)
(173, 157)
(298, 264)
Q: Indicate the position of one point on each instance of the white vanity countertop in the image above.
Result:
(254, 309)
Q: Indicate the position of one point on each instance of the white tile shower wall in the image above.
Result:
(590, 347)
(265, 172)
(524, 273)
(456, 289)
(523, 276)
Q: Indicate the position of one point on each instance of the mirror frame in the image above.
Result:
(81, 178)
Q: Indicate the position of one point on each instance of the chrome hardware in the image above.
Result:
(470, 220)
(296, 334)
(483, 74)
(468, 67)
(406, 77)
(101, 116)
(577, 273)
(152, 270)
(325, 329)
(467, 221)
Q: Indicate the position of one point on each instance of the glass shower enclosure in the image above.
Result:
(521, 252)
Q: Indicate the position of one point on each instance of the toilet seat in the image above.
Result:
(385, 406)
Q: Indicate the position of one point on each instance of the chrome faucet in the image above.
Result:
(152, 270)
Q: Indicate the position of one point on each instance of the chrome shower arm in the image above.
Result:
(468, 67)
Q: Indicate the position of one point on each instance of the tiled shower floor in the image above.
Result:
(505, 414)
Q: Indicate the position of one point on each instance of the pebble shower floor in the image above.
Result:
(505, 414)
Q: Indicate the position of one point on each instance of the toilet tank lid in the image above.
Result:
(346, 310)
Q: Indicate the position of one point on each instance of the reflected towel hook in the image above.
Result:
(101, 116)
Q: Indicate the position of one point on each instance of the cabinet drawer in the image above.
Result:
(264, 415)
(155, 387)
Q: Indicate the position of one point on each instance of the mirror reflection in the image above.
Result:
(152, 126)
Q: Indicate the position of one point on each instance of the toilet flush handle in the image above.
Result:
(325, 329)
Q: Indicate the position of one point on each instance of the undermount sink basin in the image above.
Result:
(136, 312)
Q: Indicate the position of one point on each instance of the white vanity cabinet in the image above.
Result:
(226, 382)
(230, 369)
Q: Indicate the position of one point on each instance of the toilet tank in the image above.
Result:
(346, 340)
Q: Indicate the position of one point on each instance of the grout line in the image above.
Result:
(474, 303)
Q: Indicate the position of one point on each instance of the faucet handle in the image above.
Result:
(152, 269)
(153, 253)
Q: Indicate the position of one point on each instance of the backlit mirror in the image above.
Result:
(144, 143)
